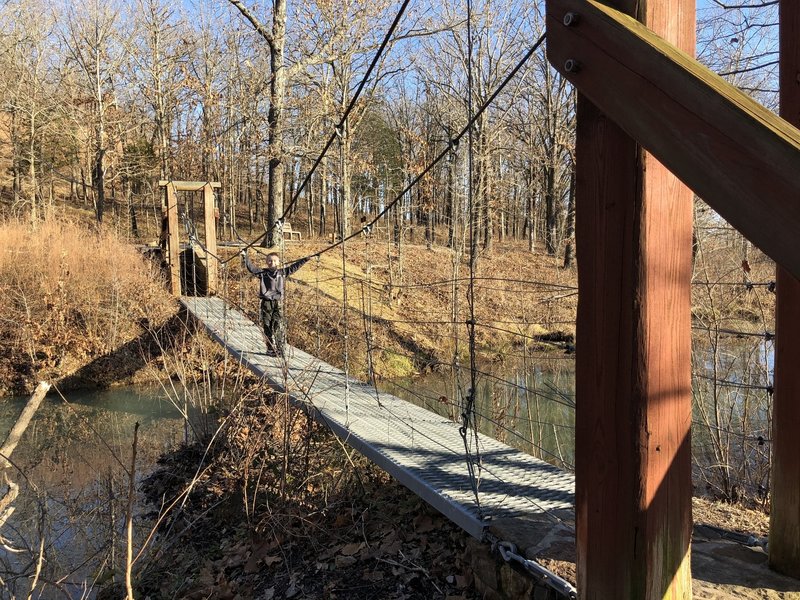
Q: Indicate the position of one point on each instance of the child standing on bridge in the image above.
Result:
(272, 283)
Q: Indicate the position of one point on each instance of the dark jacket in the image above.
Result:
(272, 281)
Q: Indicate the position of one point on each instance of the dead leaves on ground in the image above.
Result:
(354, 535)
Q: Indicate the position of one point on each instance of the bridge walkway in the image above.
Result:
(421, 449)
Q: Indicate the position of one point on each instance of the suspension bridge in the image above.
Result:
(511, 490)
(649, 119)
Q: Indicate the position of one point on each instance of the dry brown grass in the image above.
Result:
(69, 295)
(406, 300)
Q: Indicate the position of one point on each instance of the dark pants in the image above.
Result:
(272, 321)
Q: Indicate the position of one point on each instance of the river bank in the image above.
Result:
(86, 309)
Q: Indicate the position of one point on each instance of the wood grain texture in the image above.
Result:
(173, 243)
(784, 534)
(210, 223)
(633, 226)
(740, 158)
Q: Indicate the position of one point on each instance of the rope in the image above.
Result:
(344, 318)
(453, 142)
(317, 311)
(366, 311)
(468, 414)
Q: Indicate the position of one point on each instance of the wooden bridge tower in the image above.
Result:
(647, 110)
(784, 532)
(171, 231)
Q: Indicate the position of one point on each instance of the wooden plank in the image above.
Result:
(740, 158)
(173, 243)
(188, 186)
(633, 387)
(210, 221)
(784, 530)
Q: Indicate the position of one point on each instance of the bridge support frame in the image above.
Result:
(633, 379)
(171, 230)
(784, 533)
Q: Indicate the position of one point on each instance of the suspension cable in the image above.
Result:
(452, 143)
(342, 121)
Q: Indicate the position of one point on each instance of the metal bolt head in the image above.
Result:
(572, 66)
(571, 19)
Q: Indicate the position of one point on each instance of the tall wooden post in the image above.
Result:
(784, 530)
(633, 461)
(173, 243)
(210, 221)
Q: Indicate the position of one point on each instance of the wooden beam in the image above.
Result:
(173, 242)
(210, 221)
(188, 186)
(633, 370)
(784, 525)
(743, 160)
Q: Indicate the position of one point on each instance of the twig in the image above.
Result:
(129, 516)
(38, 571)
(413, 567)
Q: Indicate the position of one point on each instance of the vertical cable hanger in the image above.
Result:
(468, 415)
(345, 324)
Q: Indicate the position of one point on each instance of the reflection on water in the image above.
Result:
(75, 456)
(531, 406)
(732, 416)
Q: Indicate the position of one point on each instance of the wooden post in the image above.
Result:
(784, 526)
(173, 243)
(739, 157)
(633, 378)
(210, 220)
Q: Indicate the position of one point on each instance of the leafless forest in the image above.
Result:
(99, 100)
(102, 99)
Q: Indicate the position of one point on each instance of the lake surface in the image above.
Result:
(75, 456)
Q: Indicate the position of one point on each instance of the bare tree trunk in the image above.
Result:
(452, 212)
(32, 167)
(551, 230)
(323, 196)
(275, 118)
(97, 180)
(570, 235)
(344, 165)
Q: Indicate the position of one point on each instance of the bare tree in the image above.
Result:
(91, 38)
(28, 89)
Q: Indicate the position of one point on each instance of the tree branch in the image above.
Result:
(257, 25)
(744, 6)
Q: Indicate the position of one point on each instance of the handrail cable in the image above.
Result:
(452, 143)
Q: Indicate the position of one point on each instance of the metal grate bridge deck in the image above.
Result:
(422, 450)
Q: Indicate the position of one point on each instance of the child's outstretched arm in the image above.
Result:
(250, 267)
(292, 268)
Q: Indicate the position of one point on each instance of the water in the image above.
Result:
(531, 405)
(75, 456)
